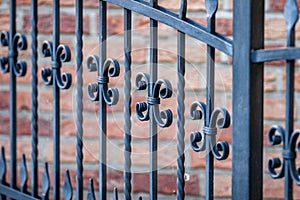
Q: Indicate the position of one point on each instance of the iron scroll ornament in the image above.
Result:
(19, 42)
(163, 118)
(289, 154)
(111, 68)
(62, 55)
(198, 140)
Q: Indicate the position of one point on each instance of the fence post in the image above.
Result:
(247, 142)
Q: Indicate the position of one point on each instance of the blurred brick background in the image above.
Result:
(274, 103)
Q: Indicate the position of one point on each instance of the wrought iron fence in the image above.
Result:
(247, 50)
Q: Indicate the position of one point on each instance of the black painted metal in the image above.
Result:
(34, 97)
(91, 193)
(248, 57)
(219, 150)
(127, 103)
(287, 168)
(68, 193)
(79, 104)
(23, 175)
(247, 135)
(45, 183)
(59, 54)
(9, 64)
(105, 96)
(180, 106)
(171, 19)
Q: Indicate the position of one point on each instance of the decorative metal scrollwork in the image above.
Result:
(111, 68)
(19, 42)
(276, 136)
(198, 139)
(160, 89)
(62, 55)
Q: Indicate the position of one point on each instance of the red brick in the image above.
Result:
(275, 28)
(195, 51)
(224, 26)
(193, 5)
(222, 186)
(67, 152)
(142, 27)
(4, 78)
(279, 104)
(23, 147)
(4, 21)
(90, 151)
(269, 104)
(44, 126)
(198, 160)
(167, 155)
(224, 80)
(138, 54)
(115, 24)
(23, 125)
(297, 81)
(278, 5)
(67, 23)
(274, 188)
(166, 184)
(23, 100)
(46, 2)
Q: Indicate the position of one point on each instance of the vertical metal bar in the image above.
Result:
(56, 105)
(127, 104)
(180, 106)
(102, 104)
(79, 105)
(180, 117)
(34, 97)
(210, 96)
(289, 122)
(12, 106)
(153, 124)
(247, 140)
(289, 105)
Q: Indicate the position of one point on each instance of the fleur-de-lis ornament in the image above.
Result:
(276, 136)
(111, 68)
(162, 88)
(219, 118)
(19, 42)
(61, 55)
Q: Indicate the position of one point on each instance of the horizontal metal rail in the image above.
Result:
(265, 55)
(15, 194)
(173, 20)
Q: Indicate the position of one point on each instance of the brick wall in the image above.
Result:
(274, 103)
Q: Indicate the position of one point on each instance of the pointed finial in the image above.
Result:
(183, 8)
(2, 165)
(68, 193)
(291, 13)
(45, 183)
(115, 193)
(23, 174)
(91, 193)
(211, 7)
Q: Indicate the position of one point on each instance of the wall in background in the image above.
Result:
(274, 106)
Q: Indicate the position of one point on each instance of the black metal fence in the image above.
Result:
(248, 53)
